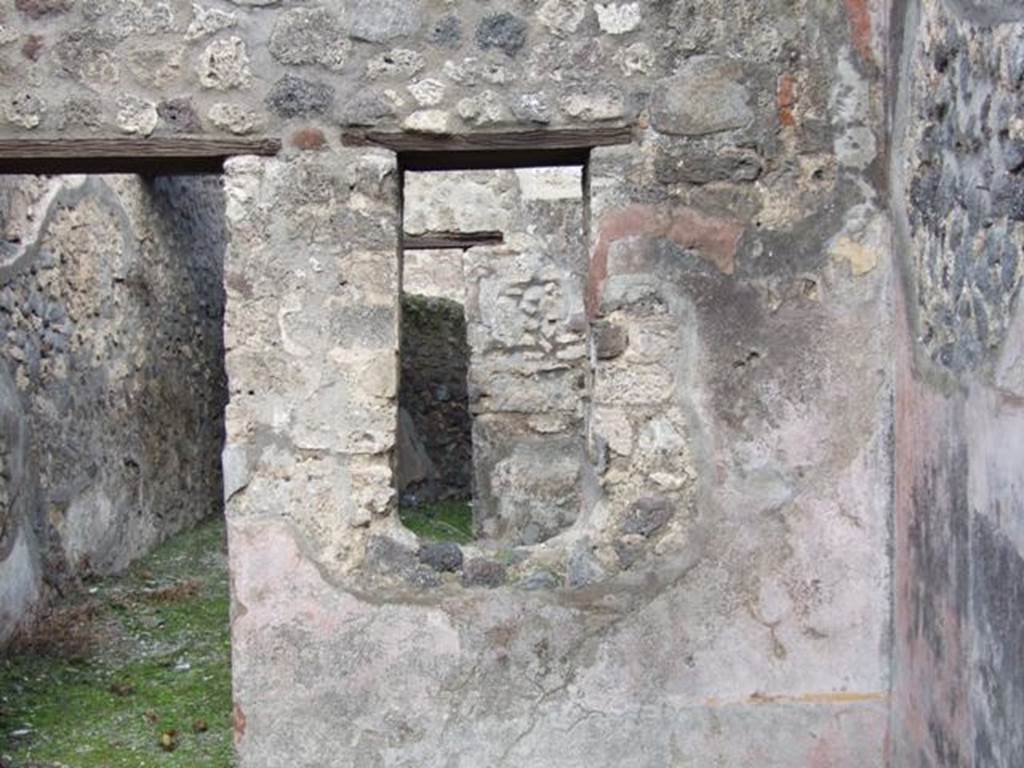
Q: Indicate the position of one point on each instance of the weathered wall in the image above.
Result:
(958, 155)
(111, 306)
(528, 337)
(723, 597)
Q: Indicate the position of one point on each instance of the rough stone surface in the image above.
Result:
(744, 241)
(958, 691)
(378, 21)
(504, 31)
(310, 36)
(442, 556)
(224, 65)
(293, 96)
(112, 385)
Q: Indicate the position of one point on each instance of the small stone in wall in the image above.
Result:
(635, 59)
(377, 21)
(87, 55)
(444, 556)
(481, 572)
(427, 92)
(155, 66)
(618, 18)
(125, 18)
(584, 567)
(398, 62)
(484, 109)
(707, 95)
(233, 118)
(36, 9)
(504, 31)
(647, 516)
(610, 340)
(208, 21)
(309, 139)
(32, 47)
(563, 17)
(310, 36)
(179, 115)
(293, 96)
(429, 121)
(540, 580)
(80, 112)
(594, 106)
(447, 32)
(136, 115)
(369, 107)
(25, 110)
(224, 65)
(533, 108)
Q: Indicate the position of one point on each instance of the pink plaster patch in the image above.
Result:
(714, 239)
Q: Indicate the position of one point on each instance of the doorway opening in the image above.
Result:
(494, 353)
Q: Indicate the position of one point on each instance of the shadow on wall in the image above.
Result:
(111, 315)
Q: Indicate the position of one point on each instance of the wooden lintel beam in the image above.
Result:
(510, 149)
(436, 241)
(152, 156)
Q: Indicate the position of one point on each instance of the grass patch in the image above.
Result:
(443, 521)
(140, 659)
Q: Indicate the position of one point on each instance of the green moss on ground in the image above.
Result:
(443, 521)
(142, 655)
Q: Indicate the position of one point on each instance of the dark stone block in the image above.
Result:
(647, 516)
(444, 556)
(503, 31)
(480, 572)
(610, 340)
(179, 116)
(447, 32)
(293, 96)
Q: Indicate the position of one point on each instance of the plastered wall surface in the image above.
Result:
(113, 386)
(723, 595)
(799, 307)
(958, 567)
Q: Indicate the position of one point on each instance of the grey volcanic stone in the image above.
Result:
(179, 115)
(293, 96)
(584, 568)
(610, 340)
(447, 32)
(706, 96)
(309, 36)
(704, 164)
(647, 516)
(481, 572)
(504, 31)
(377, 21)
(445, 556)
(387, 556)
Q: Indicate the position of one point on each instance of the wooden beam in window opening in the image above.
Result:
(146, 157)
(437, 241)
(492, 150)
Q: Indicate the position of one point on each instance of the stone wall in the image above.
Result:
(111, 306)
(722, 593)
(958, 156)
(435, 433)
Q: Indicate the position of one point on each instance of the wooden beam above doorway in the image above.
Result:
(157, 156)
